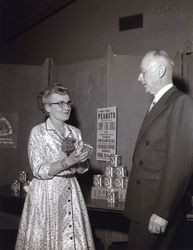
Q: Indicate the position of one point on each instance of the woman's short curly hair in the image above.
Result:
(53, 87)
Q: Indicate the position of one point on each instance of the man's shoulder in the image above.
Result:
(181, 99)
(177, 94)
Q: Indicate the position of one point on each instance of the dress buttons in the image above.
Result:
(71, 238)
(70, 225)
(138, 181)
(68, 188)
(69, 212)
(147, 142)
(69, 200)
(140, 162)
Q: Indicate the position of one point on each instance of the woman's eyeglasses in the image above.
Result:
(62, 104)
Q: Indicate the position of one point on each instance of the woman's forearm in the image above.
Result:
(57, 167)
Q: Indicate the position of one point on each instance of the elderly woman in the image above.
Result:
(54, 215)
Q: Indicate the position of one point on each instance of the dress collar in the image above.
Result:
(50, 126)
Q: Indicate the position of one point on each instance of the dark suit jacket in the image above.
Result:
(162, 160)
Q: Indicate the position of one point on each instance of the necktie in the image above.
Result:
(151, 106)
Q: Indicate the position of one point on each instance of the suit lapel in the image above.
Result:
(156, 110)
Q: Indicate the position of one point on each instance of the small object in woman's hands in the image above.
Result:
(87, 148)
(84, 147)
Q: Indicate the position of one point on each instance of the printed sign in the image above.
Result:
(106, 133)
(8, 130)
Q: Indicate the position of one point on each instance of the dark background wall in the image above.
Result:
(19, 88)
(83, 30)
(77, 34)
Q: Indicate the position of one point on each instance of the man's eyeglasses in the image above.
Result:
(62, 104)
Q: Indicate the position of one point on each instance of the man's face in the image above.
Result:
(149, 74)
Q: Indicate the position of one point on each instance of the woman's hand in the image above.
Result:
(75, 158)
(67, 163)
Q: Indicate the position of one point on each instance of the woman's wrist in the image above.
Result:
(66, 167)
(64, 164)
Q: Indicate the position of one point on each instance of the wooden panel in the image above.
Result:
(19, 87)
(87, 85)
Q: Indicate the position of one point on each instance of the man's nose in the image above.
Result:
(140, 77)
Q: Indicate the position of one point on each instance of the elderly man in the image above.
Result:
(162, 159)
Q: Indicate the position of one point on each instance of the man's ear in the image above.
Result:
(162, 70)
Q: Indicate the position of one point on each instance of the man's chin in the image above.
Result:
(147, 90)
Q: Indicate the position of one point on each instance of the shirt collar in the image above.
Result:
(161, 92)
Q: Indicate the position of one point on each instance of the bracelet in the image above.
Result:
(73, 170)
(63, 163)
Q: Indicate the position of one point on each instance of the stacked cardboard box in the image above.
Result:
(21, 183)
(111, 185)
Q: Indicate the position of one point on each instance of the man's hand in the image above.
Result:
(157, 224)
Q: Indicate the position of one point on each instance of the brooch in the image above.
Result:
(68, 145)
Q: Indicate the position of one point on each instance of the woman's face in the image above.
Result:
(59, 107)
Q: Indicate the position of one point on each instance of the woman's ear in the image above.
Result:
(162, 70)
(47, 108)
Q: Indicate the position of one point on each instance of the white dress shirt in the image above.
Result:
(159, 94)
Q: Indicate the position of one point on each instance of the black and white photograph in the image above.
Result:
(96, 125)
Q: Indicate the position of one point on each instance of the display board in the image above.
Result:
(106, 143)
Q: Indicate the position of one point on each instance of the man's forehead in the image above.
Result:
(148, 61)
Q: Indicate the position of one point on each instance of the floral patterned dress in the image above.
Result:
(54, 215)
